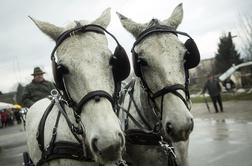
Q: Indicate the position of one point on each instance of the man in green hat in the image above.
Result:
(39, 88)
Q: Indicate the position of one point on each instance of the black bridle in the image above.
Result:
(152, 97)
(77, 106)
(64, 149)
(173, 89)
(153, 135)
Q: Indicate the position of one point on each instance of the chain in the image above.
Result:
(121, 163)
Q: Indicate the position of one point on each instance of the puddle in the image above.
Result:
(229, 130)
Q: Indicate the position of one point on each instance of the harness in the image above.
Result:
(75, 150)
(153, 135)
(147, 134)
(61, 149)
(64, 149)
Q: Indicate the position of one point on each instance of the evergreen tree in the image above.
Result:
(19, 94)
(226, 54)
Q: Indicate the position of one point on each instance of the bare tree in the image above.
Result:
(246, 37)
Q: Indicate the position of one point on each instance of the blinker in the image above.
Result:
(112, 60)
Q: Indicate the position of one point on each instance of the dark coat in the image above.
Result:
(213, 87)
(36, 91)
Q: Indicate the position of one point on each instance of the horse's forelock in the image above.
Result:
(153, 22)
(74, 24)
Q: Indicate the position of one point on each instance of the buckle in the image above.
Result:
(167, 148)
(54, 131)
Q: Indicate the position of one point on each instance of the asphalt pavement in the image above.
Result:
(222, 139)
(12, 145)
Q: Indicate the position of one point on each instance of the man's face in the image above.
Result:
(38, 77)
(210, 77)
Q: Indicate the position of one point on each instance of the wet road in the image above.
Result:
(223, 139)
(12, 145)
(221, 143)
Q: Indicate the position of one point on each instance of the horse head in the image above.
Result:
(87, 73)
(161, 63)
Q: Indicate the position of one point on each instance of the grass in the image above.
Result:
(225, 97)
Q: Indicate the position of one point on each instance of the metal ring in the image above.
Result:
(54, 93)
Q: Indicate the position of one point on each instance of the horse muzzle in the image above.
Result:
(108, 151)
(179, 133)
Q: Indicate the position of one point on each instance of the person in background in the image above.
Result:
(4, 118)
(38, 88)
(214, 90)
(17, 115)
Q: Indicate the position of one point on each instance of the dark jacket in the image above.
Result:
(36, 91)
(213, 87)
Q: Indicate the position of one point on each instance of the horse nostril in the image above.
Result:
(94, 145)
(169, 128)
(191, 124)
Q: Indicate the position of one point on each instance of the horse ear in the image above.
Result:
(49, 29)
(104, 18)
(134, 28)
(176, 17)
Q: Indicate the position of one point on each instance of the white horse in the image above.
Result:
(161, 62)
(83, 68)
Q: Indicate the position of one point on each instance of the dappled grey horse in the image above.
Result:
(155, 105)
(79, 126)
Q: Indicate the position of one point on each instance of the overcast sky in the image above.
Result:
(23, 46)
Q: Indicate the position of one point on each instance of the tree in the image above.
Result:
(19, 94)
(226, 54)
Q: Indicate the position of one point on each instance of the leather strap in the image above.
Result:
(64, 150)
(41, 126)
(142, 137)
(96, 96)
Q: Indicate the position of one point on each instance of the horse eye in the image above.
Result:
(142, 61)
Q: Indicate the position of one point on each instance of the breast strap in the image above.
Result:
(63, 150)
(141, 137)
(60, 149)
